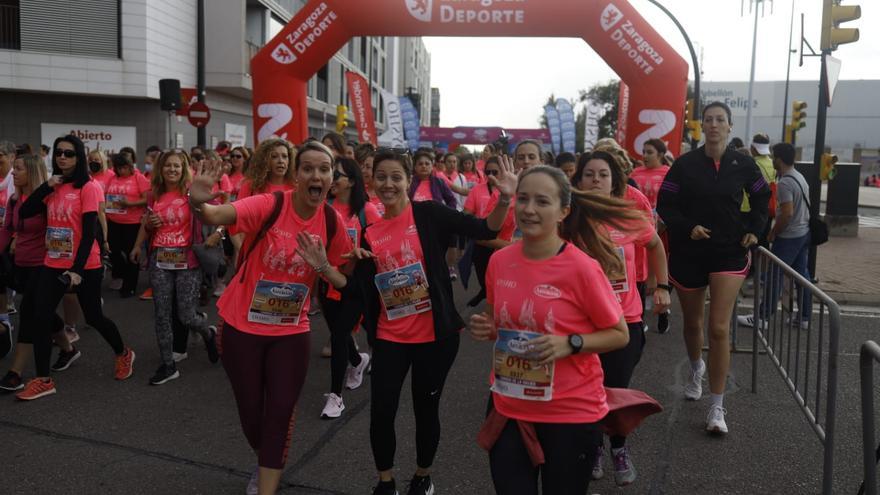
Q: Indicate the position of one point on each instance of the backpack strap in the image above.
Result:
(264, 229)
(330, 220)
(362, 216)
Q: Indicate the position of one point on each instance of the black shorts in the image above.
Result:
(458, 241)
(690, 271)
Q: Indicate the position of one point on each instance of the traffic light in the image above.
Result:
(826, 168)
(833, 14)
(798, 115)
(691, 122)
(341, 123)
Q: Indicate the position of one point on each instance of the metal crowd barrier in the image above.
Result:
(870, 353)
(804, 354)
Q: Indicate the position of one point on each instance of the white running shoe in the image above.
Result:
(749, 321)
(253, 487)
(179, 356)
(693, 389)
(219, 290)
(354, 376)
(715, 420)
(333, 408)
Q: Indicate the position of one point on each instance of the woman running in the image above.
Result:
(126, 197)
(266, 336)
(409, 311)
(550, 311)
(709, 245)
(601, 172)
(174, 268)
(69, 199)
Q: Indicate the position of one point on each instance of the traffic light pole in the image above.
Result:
(814, 180)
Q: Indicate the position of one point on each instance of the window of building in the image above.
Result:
(364, 53)
(343, 87)
(80, 27)
(322, 82)
(375, 65)
(10, 29)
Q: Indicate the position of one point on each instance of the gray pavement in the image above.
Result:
(101, 436)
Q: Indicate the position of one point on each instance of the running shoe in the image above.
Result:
(66, 358)
(219, 290)
(749, 321)
(6, 342)
(354, 375)
(36, 388)
(452, 275)
(333, 408)
(598, 469)
(663, 322)
(420, 485)
(147, 295)
(386, 488)
(179, 356)
(715, 420)
(211, 345)
(115, 284)
(253, 487)
(693, 389)
(624, 471)
(11, 382)
(164, 374)
(125, 364)
(72, 334)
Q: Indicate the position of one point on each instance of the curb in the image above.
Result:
(853, 298)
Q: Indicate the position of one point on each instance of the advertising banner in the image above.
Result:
(393, 135)
(566, 124)
(591, 126)
(361, 107)
(553, 125)
(236, 134)
(94, 136)
(411, 130)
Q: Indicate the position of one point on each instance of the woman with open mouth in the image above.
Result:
(265, 336)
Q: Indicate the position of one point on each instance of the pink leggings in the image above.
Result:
(267, 376)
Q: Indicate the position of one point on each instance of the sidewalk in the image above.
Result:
(848, 270)
(869, 197)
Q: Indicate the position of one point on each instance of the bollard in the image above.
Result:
(842, 203)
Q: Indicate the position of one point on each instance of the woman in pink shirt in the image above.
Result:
(126, 196)
(239, 158)
(266, 335)
(550, 312)
(270, 169)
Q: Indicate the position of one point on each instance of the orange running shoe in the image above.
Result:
(147, 295)
(36, 388)
(125, 364)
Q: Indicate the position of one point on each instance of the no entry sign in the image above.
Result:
(199, 114)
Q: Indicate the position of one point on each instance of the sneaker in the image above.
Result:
(663, 322)
(211, 345)
(219, 290)
(6, 342)
(72, 334)
(36, 388)
(125, 364)
(452, 275)
(598, 469)
(749, 321)
(354, 376)
(333, 408)
(421, 485)
(386, 488)
(11, 382)
(179, 356)
(164, 374)
(715, 421)
(253, 487)
(693, 389)
(65, 359)
(147, 295)
(326, 351)
(115, 284)
(624, 471)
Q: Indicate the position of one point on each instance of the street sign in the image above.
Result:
(199, 114)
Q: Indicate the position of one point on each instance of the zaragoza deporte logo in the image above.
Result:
(420, 9)
(610, 16)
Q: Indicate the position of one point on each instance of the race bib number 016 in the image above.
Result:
(277, 303)
(168, 258)
(59, 242)
(404, 291)
(517, 375)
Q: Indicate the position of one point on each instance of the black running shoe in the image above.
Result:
(164, 374)
(421, 485)
(65, 359)
(663, 323)
(211, 345)
(11, 382)
(386, 488)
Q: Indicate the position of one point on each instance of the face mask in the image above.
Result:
(94, 167)
(148, 167)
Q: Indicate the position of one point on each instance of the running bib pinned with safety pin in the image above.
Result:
(619, 280)
(59, 242)
(404, 291)
(113, 204)
(277, 303)
(171, 258)
(517, 375)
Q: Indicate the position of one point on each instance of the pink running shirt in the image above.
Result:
(65, 208)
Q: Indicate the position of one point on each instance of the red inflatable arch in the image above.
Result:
(654, 73)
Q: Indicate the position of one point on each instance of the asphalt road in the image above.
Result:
(101, 436)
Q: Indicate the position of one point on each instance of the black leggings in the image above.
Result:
(26, 280)
(430, 365)
(342, 317)
(569, 453)
(121, 237)
(51, 291)
(619, 365)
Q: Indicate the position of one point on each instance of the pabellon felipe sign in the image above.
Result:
(94, 136)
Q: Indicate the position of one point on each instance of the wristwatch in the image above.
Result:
(666, 287)
(576, 342)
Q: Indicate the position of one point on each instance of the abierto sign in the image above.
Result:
(94, 136)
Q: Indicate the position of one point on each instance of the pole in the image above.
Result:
(747, 138)
(788, 73)
(694, 61)
(201, 132)
(813, 180)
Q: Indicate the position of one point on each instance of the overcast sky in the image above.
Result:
(472, 92)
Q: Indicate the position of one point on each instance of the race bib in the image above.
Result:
(404, 291)
(353, 235)
(171, 258)
(59, 242)
(619, 281)
(517, 375)
(113, 201)
(277, 303)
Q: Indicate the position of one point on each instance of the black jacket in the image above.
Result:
(435, 224)
(693, 193)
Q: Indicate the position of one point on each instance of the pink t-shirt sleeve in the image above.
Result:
(597, 298)
(92, 195)
(143, 183)
(225, 184)
(251, 212)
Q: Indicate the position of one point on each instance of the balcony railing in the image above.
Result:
(10, 28)
(250, 49)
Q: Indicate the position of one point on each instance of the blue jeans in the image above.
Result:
(793, 252)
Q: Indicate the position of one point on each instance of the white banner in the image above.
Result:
(94, 136)
(236, 134)
(591, 127)
(566, 124)
(393, 135)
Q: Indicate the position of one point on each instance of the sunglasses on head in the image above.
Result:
(65, 153)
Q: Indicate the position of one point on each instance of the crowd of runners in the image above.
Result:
(568, 252)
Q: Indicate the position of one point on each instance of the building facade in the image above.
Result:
(96, 71)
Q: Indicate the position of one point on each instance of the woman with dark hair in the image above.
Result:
(335, 142)
(527, 154)
(566, 162)
(425, 185)
(348, 197)
(126, 199)
(240, 158)
(70, 201)
(709, 243)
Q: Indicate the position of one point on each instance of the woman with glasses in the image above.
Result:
(70, 200)
(709, 243)
(239, 158)
(408, 307)
(126, 197)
